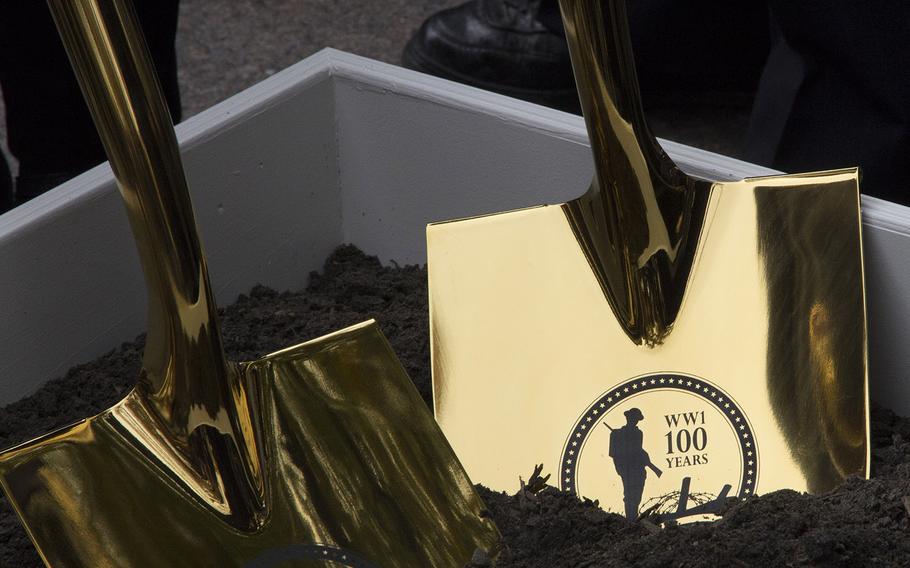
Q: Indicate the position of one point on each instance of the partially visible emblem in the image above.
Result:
(669, 444)
(278, 557)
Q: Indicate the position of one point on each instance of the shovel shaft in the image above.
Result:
(601, 48)
(184, 364)
(642, 212)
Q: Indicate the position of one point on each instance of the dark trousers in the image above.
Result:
(705, 49)
(49, 128)
(834, 93)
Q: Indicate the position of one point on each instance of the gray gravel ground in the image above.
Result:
(225, 46)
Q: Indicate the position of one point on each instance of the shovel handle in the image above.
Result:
(639, 222)
(624, 148)
(184, 363)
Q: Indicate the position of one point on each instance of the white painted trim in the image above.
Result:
(339, 148)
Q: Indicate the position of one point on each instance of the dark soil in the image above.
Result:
(862, 523)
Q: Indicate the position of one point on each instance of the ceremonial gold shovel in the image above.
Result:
(321, 455)
(717, 326)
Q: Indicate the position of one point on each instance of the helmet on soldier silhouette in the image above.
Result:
(634, 414)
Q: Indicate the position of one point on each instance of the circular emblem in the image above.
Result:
(278, 557)
(667, 443)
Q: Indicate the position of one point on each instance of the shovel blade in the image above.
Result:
(356, 473)
(760, 382)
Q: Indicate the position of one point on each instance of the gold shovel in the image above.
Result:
(718, 326)
(322, 454)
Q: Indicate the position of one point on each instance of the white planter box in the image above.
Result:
(340, 149)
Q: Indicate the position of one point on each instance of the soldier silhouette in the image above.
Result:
(630, 460)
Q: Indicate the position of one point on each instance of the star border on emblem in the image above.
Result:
(705, 390)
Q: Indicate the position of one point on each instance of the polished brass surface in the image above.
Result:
(322, 454)
(719, 324)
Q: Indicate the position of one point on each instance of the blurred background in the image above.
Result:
(225, 46)
(838, 94)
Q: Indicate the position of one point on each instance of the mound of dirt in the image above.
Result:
(861, 523)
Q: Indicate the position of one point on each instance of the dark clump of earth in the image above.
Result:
(861, 523)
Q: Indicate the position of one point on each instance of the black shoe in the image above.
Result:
(500, 46)
(518, 48)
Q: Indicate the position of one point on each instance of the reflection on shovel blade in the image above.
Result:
(722, 321)
(349, 465)
(319, 455)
